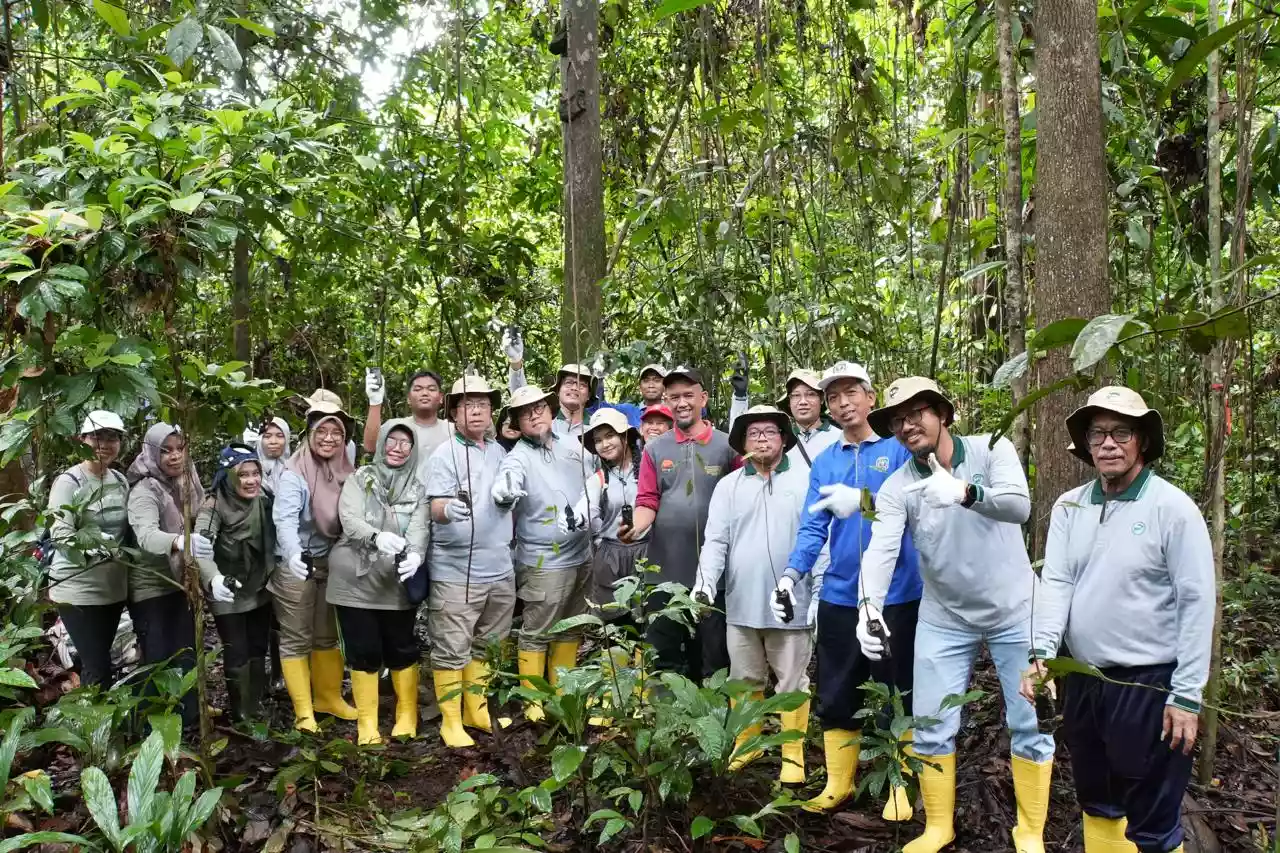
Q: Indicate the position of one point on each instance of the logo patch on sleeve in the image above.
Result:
(668, 464)
(882, 464)
(711, 470)
(1139, 528)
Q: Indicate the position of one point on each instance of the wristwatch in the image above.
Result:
(970, 495)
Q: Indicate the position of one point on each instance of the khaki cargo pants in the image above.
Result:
(754, 652)
(463, 622)
(550, 595)
(307, 621)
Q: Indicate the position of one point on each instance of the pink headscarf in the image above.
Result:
(324, 478)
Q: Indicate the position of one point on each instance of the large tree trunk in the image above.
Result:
(240, 291)
(1011, 202)
(584, 248)
(1071, 228)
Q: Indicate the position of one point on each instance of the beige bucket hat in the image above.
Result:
(324, 403)
(471, 385)
(611, 418)
(527, 395)
(799, 376)
(1120, 401)
(755, 414)
(653, 368)
(581, 371)
(902, 392)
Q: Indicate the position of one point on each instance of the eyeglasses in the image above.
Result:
(765, 432)
(478, 405)
(328, 435)
(1096, 436)
(804, 394)
(401, 443)
(914, 416)
(535, 409)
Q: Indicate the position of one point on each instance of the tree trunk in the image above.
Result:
(240, 295)
(584, 247)
(1071, 231)
(1011, 202)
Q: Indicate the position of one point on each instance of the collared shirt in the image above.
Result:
(864, 465)
(649, 493)
(552, 477)
(477, 548)
(813, 441)
(1129, 579)
(565, 428)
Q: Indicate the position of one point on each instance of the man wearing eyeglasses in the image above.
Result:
(964, 499)
(1128, 579)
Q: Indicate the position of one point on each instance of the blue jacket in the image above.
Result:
(865, 465)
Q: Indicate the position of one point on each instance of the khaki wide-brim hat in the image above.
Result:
(527, 395)
(904, 391)
(800, 376)
(755, 414)
(582, 372)
(471, 385)
(324, 403)
(1120, 401)
(653, 368)
(613, 419)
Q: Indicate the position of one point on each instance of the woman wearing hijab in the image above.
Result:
(237, 519)
(305, 513)
(164, 496)
(384, 535)
(273, 452)
(88, 502)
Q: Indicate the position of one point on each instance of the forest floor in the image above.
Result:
(342, 805)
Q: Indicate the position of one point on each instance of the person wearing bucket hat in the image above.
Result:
(165, 496)
(751, 524)
(576, 393)
(862, 460)
(473, 589)
(650, 387)
(308, 525)
(236, 517)
(86, 585)
(538, 482)
(964, 500)
(678, 474)
(1128, 582)
(655, 421)
(801, 399)
(423, 396)
(384, 536)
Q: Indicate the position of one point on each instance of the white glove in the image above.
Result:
(872, 646)
(296, 565)
(201, 548)
(513, 348)
(940, 489)
(840, 500)
(388, 543)
(375, 390)
(406, 567)
(251, 436)
(457, 510)
(813, 613)
(505, 493)
(784, 586)
(219, 590)
(562, 521)
(598, 366)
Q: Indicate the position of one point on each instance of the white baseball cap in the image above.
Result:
(843, 370)
(101, 419)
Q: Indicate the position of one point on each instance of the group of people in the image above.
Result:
(832, 521)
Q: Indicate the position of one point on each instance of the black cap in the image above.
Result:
(682, 373)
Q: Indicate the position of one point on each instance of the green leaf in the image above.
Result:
(11, 677)
(1138, 234)
(225, 52)
(980, 269)
(701, 826)
(40, 11)
(1010, 371)
(252, 26)
(101, 800)
(183, 39)
(1075, 382)
(114, 15)
(565, 760)
(792, 843)
(187, 204)
(1189, 64)
(30, 839)
(1071, 666)
(670, 7)
(747, 825)
(1096, 339)
(612, 828)
(9, 746)
(144, 776)
(1058, 333)
(40, 789)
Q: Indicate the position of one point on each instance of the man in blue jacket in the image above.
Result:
(860, 459)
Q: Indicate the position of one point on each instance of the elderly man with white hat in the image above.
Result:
(473, 591)
(751, 523)
(539, 481)
(1128, 580)
(964, 500)
(576, 390)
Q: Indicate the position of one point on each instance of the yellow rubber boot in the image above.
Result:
(297, 679)
(561, 654)
(841, 747)
(1031, 790)
(1106, 835)
(532, 663)
(938, 793)
(793, 752)
(898, 808)
(475, 701)
(741, 759)
(406, 682)
(364, 689)
(326, 684)
(449, 681)
(611, 661)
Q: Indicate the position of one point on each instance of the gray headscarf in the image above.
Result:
(273, 469)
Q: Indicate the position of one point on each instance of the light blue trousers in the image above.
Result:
(943, 665)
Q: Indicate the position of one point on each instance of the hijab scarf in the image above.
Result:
(273, 469)
(173, 491)
(324, 478)
(386, 487)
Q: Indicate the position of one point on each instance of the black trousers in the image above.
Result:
(166, 632)
(694, 654)
(373, 639)
(1121, 767)
(244, 636)
(843, 669)
(93, 629)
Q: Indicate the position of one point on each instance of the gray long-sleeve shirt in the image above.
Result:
(295, 529)
(973, 562)
(553, 477)
(360, 575)
(79, 500)
(156, 572)
(478, 548)
(1132, 588)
